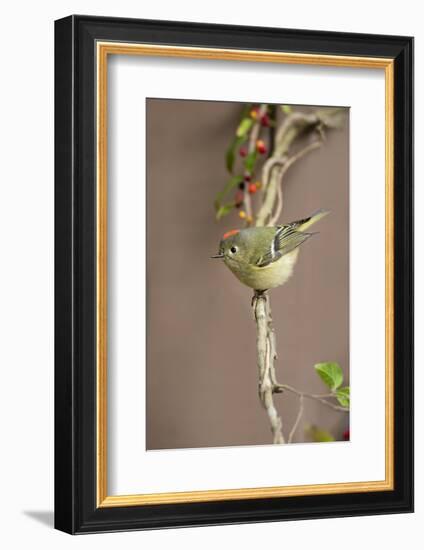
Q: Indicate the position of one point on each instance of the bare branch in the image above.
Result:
(298, 418)
(279, 209)
(265, 347)
(271, 163)
(294, 126)
(289, 162)
(321, 398)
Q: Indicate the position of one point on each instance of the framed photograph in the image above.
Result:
(234, 274)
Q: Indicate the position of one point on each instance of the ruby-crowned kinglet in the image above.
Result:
(264, 257)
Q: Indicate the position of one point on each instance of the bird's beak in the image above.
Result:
(218, 256)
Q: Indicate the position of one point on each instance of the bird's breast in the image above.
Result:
(262, 278)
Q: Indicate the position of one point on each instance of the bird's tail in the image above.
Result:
(315, 217)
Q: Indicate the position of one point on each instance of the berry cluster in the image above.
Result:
(249, 146)
(244, 216)
(265, 120)
(252, 188)
(260, 148)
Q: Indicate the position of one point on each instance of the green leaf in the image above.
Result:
(244, 127)
(224, 210)
(286, 109)
(318, 434)
(231, 183)
(231, 152)
(250, 160)
(343, 396)
(331, 374)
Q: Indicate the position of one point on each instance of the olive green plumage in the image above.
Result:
(264, 257)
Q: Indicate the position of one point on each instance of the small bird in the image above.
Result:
(264, 257)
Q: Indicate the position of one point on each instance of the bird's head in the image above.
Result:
(234, 247)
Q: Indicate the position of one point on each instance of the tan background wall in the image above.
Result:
(201, 363)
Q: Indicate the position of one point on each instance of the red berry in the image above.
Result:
(247, 177)
(260, 146)
(252, 188)
(243, 151)
(346, 435)
(265, 120)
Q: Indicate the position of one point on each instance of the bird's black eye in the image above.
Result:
(233, 249)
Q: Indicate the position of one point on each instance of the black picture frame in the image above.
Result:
(76, 509)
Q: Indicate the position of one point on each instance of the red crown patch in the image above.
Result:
(230, 233)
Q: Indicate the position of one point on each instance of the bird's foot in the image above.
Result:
(257, 295)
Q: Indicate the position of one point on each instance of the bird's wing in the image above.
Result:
(286, 239)
(302, 225)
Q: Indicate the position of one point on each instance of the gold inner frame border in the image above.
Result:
(103, 50)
